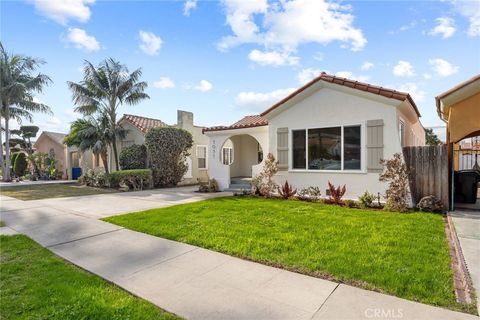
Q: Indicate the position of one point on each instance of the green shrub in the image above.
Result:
(395, 173)
(351, 203)
(309, 194)
(133, 157)
(136, 179)
(366, 199)
(13, 157)
(20, 165)
(94, 178)
(168, 149)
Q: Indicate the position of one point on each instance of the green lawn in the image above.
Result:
(401, 254)
(36, 192)
(35, 284)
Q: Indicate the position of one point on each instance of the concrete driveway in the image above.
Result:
(104, 205)
(187, 280)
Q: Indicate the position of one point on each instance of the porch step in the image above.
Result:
(239, 184)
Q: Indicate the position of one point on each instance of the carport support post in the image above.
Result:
(452, 195)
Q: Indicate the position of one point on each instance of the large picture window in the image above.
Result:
(334, 148)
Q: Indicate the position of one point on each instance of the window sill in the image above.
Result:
(327, 171)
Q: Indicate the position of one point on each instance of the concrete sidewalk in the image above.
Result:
(467, 226)
(196, 283)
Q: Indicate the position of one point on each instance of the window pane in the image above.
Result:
(324, 148)
(299, 149)
(351, 148)
(202, 163)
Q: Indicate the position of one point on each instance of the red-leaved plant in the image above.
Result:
(336, 194)
(287, 191)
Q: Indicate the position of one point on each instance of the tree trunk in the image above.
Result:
(2, 160)
(115, 153)
(6, 174)
(103, 155)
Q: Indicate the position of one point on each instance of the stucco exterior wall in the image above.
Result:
(220, 172)
(45, 144)
(414, 131)
(326, 108)
(245, 155)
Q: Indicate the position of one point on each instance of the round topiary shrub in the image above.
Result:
(168, 149)
(20, 165)
(133, 157)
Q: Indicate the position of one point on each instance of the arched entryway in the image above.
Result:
(242, 153)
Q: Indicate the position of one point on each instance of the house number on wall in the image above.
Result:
(213, 148)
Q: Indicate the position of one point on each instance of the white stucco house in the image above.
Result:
(331, 129)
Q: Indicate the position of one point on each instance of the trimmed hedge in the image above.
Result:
(20, 165)
(168, 148)
(136, 179)
(133, 157)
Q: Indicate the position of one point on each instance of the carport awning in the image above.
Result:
(464, 120)
(460, 108)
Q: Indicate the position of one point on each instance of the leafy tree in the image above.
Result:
(17, 89)
(20, 164)
(431, 138)
(133, 157)
(26, 134)
(91, 133)
(168, 149)
(104, 89)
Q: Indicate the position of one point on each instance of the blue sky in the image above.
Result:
(223, 60)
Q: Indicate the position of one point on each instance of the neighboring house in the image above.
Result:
(137, 127)
(52, 143)
(332, 129)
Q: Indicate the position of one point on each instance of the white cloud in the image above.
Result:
(427, 76)
(367, 66)
(307, 75)
(63, 10)
(351, 76)
(403, 69)
(53, 121)
(442, 67)
(445, 27)
(164, 83)
(273, 58)
(470, 10)
(282, 26)
(203, 86)
(189, 6)
(149, 42)
(82, 40)
(412, 88)
(258, 101)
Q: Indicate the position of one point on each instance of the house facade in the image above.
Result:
(332, 129)
(52, 143)
(136, 128)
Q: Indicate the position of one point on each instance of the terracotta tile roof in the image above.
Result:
(246, 122)
(143, 123)
(389, 93)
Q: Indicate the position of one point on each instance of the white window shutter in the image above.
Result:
(374, 145)
(282, 148)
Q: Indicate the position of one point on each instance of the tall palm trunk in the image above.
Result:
(113, 117)
(6, 175)
(104, 157)
(2, 160)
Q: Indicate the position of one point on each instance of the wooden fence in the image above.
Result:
(428, 167)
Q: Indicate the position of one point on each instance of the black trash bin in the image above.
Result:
(466, 186)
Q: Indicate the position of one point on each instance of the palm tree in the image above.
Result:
(104, 89)
(91, 134)
(17, 89)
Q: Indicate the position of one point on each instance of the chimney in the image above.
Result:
(184, 119)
